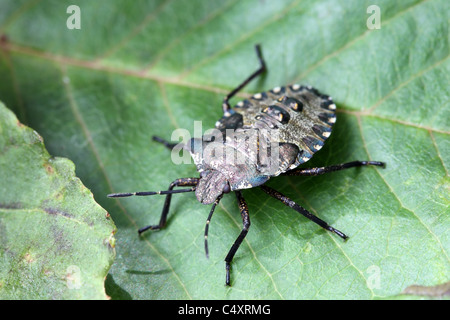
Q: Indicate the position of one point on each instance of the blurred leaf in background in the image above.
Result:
(137, 69)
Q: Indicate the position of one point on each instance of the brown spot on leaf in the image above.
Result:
(110, 241)
(12, 205)
(4, 42)
(28, 258)
(431, 291)
(4, 38)
(56, 211)
(49, 168)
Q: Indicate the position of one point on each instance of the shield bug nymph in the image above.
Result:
(272, 133)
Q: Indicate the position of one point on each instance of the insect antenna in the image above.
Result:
(149, 193)
(207, 223)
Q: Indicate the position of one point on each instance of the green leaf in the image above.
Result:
(56, 242)
(98, 95)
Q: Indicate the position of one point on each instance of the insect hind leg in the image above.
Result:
(279, 196)
(332, 168)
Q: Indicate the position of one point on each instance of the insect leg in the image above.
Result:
(208, 220)
(183, 182)
(337, 167)
(246, 225)
(277, 195)
(148, 193)
(164, 142)
(226, 105)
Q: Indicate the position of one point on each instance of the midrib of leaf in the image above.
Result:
(93, 65)
(96, 64)
(90, 65)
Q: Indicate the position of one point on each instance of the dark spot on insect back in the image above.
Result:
(293, 104)
(329, 118)
(328, 104)
(305, 97)
(232, 122)
(303, 156)
(322, 131)
(277, 113)
(313, 144)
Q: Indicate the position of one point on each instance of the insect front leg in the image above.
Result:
(246, 225)
(166, 143)
(182, 182)
(337, 167)
(208, 220)
(226, 105)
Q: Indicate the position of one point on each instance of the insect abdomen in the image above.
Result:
(295, 114)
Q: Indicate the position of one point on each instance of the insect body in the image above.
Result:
(267, 135)
(293, 121)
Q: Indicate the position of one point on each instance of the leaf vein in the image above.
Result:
(397, 198)
(352, 42)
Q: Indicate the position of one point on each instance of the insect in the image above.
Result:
(290, 123)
